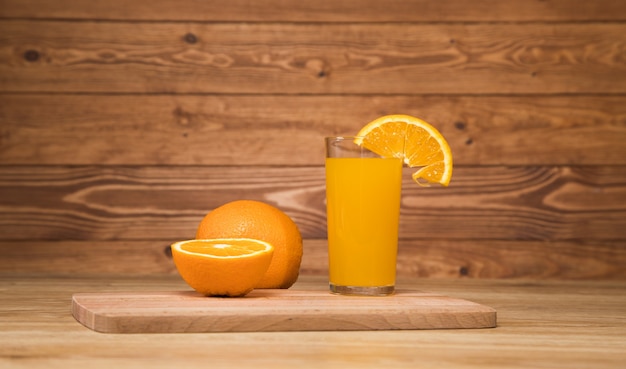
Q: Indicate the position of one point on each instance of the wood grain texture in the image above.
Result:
(555, 324)
(287, 58)
(38, 129)
(118, 203)
(122, 123)
(275, 311)
(319, 10)
(417, 258)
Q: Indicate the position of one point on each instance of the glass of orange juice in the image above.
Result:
(363, 210)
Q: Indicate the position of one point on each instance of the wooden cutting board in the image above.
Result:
(274, 310)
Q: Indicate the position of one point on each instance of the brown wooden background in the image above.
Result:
(123, 123)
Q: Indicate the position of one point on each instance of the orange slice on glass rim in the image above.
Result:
(413, 140)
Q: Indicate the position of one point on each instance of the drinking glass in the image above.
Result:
(363, 210)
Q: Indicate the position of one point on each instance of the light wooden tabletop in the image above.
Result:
(540, 324)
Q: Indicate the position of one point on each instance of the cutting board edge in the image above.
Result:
(478, 317)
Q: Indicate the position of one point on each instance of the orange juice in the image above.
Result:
(363, 209)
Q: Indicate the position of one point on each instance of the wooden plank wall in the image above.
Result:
(123, 123)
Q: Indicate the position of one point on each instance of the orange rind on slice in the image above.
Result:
(415, 141)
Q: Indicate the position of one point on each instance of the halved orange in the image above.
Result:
(222, 266)
(415, 141)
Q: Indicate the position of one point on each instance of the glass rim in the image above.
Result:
(342, 138)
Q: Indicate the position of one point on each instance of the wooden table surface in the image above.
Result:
(552, 324)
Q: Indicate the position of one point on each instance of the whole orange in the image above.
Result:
(260, 221)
